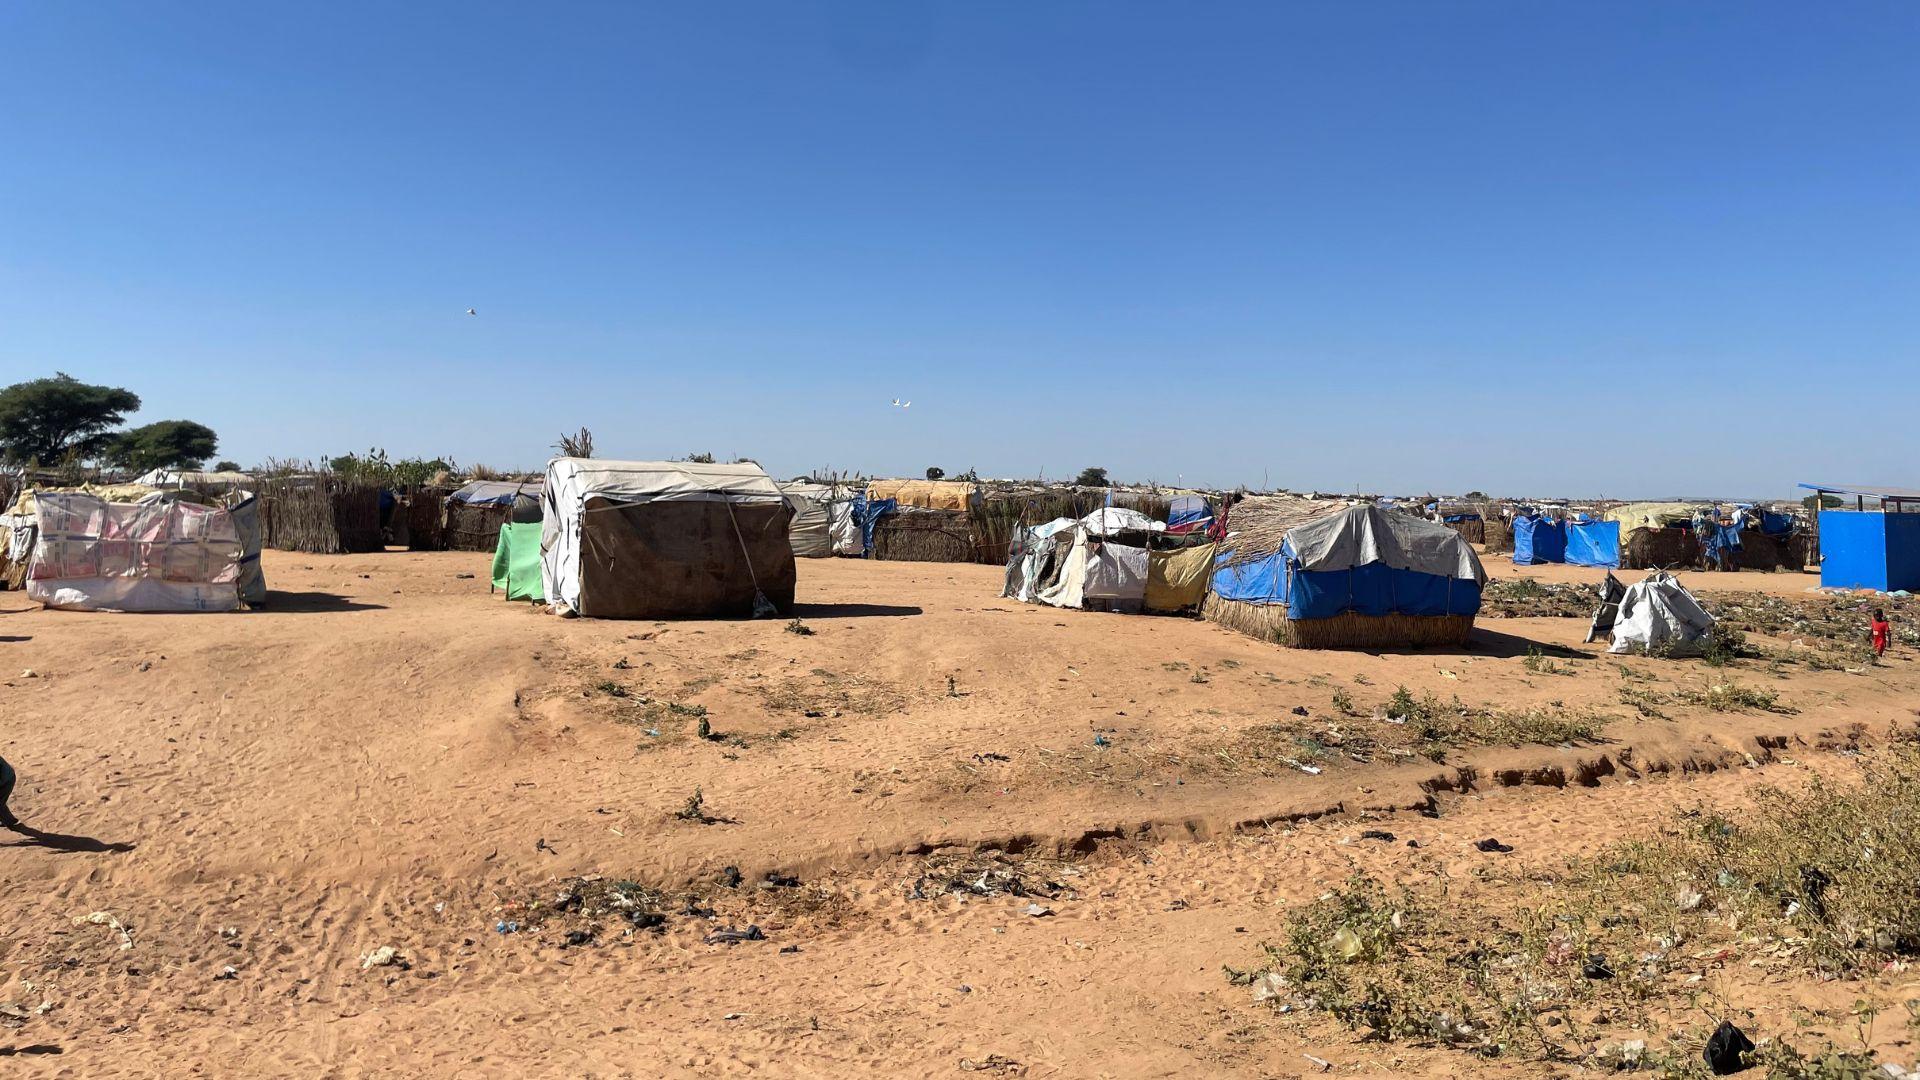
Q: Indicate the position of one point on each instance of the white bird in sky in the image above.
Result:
(898, 404)
(470, 311)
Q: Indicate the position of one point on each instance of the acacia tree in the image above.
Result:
(164, 444)
(1092, 476)
(47, 419)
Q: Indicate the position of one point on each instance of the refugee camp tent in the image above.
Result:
(811, 533)
(658, 539)
(228, 480)
(1177, 580)
(1659, 615)
(476, 510)
(1538, 539)
(160, 555)
(1361, 578)
(1031, 558)
(245, 508)
(516, 561)
(1188, 513)
(1593, 543)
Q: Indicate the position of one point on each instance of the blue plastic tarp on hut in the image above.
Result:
(1593, 543)
(1538, 540)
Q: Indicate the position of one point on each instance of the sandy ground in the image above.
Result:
(388, 756)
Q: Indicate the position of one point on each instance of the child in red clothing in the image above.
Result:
(1882, 633)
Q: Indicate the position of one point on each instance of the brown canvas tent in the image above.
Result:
(662, 539)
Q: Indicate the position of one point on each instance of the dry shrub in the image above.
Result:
(1813, 883)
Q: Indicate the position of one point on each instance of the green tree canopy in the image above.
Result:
(1092, 476)
(935, 472)
(46, 419)
(164, 444)
(224, 465)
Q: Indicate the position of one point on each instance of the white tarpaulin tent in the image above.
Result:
(1368, 534)
(1660, 615)
(743, 492)
(1116, 572)
(1027, 557)
(823, 522)
(164, 555)
(179, 478)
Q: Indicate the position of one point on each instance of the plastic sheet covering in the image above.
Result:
(1115, 572)
(1594, 543)
(1538, 540)
(246, 523)
(516, 561)
(1178, 579)
(1117, 519)
(1661, 615)
(1069, 590)
(1367, 534)
(93, 555)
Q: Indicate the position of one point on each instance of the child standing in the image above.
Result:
(1882, 633)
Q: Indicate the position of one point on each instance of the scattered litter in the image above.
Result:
(1101, 740)
(1325, 1065)
(577, 938)
(29, 674)
(1300, 710)
(789, 948)
(1378, 834)
(227, 973)
(731, 936)
(734, 1016)
(506, 926)
(1597, 967)
(1490, 844)
(1269, 986)
(102, 918)
(1727, 1049)
(384, 956)
(1038, 911)
(730, 877)
(464, 577)
(1346, 943)
(994, 1063)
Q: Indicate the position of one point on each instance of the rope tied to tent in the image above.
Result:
(762, 607)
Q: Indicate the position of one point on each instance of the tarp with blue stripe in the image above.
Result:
(1373, 589)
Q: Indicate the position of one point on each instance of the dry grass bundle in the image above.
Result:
(1259, 523)
(1497, 534)
(1660, 549)
(1269, 622)
(925, 536)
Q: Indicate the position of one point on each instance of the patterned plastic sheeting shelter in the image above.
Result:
(94, 555)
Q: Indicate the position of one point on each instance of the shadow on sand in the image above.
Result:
(52, 841)
(853, 611)
(307, 602)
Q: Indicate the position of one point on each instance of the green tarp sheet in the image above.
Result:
(516, 561)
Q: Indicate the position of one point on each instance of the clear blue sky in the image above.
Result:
(1632, 249)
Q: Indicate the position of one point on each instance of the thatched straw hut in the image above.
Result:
(1361, 578)
(475, 512)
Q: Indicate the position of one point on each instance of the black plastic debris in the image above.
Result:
(731, 936)
(577, 938)
(1813, 883)
(1597, 967)
(1490, 844)
(730, 877)
(1378, 834)
(647, 920)
(781, 881)
(1299, 710)
(1727, 1050)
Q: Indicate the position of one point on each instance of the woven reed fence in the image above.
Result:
(319, 515)
(1473, 532)
(1269, 622)
(471, 527)
(926, 536)
(426, 519)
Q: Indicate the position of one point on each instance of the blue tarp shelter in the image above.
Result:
(1869, 550)
(867, 512)
(1538, 540)
(1381, 573)
(1593, 543)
